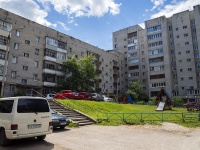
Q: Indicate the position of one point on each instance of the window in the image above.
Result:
(36, 64)
(155, 28)
(198, 65)
(37, 51)
(35, 77)
(13, 74)
(154, 36)
(17, 33)
(192, 22)
(185, 35)
(181, 70)
(37, 39)
(14, 60)
(142, 52)
(182, 79)
(155, 44)
(132, 47)
(179, 53)
(194, 31)
(143, 59)
(170, 28)
(196, 47)
(142, 46)
(16, 45)
(176, 29)
(180, 61)
(1, 69)
(189, 69)
(172, 43)
(2, 55)
(70, 50)
(190, 78)
(27, 41)
(186, 43)
(172, 51)
(24, 81)
(188, 60)
(171, 35)
(133, 54)
(132, 61)
(25, 68)
(63, 55)
(187, 52)
(194, 38)
(26, 55)
(197, 55)
(177, 36)
(12, 88)
(156, 52)
(6, 106)
(184, 27)
(3, 40)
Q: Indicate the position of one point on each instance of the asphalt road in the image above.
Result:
(166, 137)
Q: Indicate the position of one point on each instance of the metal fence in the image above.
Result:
(150, 116)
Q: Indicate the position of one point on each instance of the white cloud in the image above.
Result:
(157, 3)
(27, 9)
(146, 10)
(64, 26)
(76, 24)
(176, 7)
(83, 7)
(142, 25)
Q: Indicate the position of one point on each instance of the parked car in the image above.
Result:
(97, 97)
(66, 94)
(59, 120)
(24, 117)
(108, 99)
(50, 96)
(85, 95)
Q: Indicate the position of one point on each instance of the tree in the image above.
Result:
(79, 74)
(135, 89)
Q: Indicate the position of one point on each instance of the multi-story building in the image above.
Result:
(163, 55)
(35, 54)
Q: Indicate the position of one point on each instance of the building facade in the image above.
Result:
(163, 55)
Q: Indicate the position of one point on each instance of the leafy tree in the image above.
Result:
(79, 74)
(135, 89)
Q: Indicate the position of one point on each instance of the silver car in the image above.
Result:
(97, 97)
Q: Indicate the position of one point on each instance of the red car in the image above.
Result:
(85, 95)
(66, 94)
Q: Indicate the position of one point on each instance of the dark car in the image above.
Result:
(59, 120)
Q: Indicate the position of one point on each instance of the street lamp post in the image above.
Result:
(5, 63)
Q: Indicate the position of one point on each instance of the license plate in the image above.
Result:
(33, 126)
(63, 123)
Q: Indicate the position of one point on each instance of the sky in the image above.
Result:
(94, 21)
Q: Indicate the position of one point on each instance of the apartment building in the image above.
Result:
(31, 56)
(163, 55)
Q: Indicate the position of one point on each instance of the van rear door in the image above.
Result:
(32, 116)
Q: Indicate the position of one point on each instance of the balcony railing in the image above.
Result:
(115, 68)
(98, 71)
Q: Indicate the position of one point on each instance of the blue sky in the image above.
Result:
(93, 21)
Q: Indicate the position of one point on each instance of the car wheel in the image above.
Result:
(40, 138)
(3, 140)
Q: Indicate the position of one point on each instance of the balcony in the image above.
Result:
(46, 83)
(97, 62)
(115, 75)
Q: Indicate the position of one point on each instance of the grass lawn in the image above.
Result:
(98, 110)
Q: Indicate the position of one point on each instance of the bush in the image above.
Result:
(152, 101)
(141, 103)
(177, 102)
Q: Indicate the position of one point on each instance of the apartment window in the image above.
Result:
(125, 46)
(62, 56)
(142, 46)
(182, 79)
(196, 47)
(133, 54)
(36, 64)
(1, 69)
(37, 40)
(185, 35)
(182, 88)
(194, 38)
(172, 43)
(143, 66)
(12, 88)
(155, 28)
(156, 52)
(70, 50)
(25, 68)
(115, 39)
(14, 59)
(27, 41)
(26, 55)
(186, 43)
(24, 81)
(132, 61)
(177, 36)
(179, 53)
(188, 60)
(176, 29)
(197, 55)
(142, 52)
(16, 45)
(2, 55)
(17, 33)
(187, 52)
(184, 27)
(171, 35)
(154, 36)
(115, 46)
(13, 74)
(35, 77)
(194, 31)
(37, 51)
(198, 65)
(181, 70)
(180, 61)
(172, 51)
(189, 69)
(190, 78)
(143, 59)
(170, 28)
(192, 22)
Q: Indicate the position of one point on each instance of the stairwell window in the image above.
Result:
(186, 43)
(26, 55)
(25, 68)
(13, 74)
(27, 42)
(17, 33)
(16, 45)
(24, 81)
(35, 77)
(37, 39)
(14, 60)
(1, 70)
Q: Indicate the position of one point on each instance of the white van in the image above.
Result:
(24, 117)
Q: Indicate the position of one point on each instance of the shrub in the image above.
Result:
(177, 102)
(141, 102)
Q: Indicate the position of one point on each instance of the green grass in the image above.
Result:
(97, 111)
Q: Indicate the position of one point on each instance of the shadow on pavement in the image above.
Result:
(57, 130)
(28, 144)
